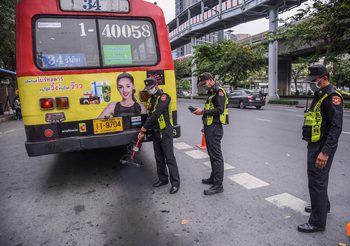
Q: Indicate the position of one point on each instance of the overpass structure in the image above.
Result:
(207, 16)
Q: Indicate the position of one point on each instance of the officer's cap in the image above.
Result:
(150, 83)
(316, 71)
(205, 76)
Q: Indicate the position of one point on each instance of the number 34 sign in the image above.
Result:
(119, 6)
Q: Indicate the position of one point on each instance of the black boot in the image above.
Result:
(214, 189)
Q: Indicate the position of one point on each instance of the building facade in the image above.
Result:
(214, 37)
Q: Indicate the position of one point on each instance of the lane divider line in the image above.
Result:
(263, 120)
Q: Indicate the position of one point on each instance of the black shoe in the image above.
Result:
(174, 189)
(214, 189)
(207, 181)
(160, 183)
(308, 209)
(308, 228)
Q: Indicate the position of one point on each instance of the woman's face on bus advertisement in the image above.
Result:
(125, 88)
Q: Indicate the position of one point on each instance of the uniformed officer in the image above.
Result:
(215, 114)
(322, 127)
(160, 121)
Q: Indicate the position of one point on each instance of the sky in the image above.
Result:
(253, 27)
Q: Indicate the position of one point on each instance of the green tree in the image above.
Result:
(298, 70)
(340, 72)
(7, 33)
(183, 84)
(183, 68)
(326, 26)
(232, 62)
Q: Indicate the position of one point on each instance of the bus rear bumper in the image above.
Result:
(73, 144)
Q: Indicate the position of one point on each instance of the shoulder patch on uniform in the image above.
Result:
(221, 93)
(163, 97)
(336, 100)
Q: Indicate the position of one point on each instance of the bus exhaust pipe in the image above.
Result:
(129, 157)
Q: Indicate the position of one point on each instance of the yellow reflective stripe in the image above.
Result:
(210, 105)
(161, 119)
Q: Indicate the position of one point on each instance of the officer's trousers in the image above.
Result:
(213, 136)
(164, 155)
(318, 185)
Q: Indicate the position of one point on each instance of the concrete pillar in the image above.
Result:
(273, 54)
(193, 69)
(221, 36)
(284, 77)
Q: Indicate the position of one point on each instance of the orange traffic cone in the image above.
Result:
(203, 145)
(348, 229)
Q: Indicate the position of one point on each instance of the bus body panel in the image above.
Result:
(77, 129)
(24, 35)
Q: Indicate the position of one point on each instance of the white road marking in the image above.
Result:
(299, 115)
(226, 166)
(346, 133)
(291, 110)
(248, 181)
(9, 131)
(182, 145)
(263, 120)
(286, 200)
(346, 115)
(197, 154)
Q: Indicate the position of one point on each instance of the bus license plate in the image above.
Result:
(107, 126)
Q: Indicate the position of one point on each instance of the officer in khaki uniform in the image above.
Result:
(323, 123)
(160, 121)
(215, 114)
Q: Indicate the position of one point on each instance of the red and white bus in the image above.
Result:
(69, 54)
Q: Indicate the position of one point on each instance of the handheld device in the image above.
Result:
(192, 109)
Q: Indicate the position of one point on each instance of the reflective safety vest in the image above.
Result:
(312, 128)
(161, 119)
(209, 105)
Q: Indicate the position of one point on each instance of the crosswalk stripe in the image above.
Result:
(248, 181)
(182, 145)
(226, 166)
(197, 154)
(346, 133)
(286, 200)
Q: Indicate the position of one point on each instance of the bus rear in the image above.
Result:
(69, 55)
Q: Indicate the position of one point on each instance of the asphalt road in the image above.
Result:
(87, 198)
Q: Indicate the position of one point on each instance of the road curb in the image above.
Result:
(4, 118)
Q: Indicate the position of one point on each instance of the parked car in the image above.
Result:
(184, 93)
(243, 98)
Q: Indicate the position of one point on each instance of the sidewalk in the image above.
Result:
(4, 117)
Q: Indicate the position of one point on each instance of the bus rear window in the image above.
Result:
(77, 43)
(125, 42)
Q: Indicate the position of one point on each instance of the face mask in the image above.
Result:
(205, 87)
(152, 91)
(314, 86)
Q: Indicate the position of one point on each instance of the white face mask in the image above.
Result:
(314, 86)
(152, 91)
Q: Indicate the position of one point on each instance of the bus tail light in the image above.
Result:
(46, 103)
(62, 102)
(48, 133)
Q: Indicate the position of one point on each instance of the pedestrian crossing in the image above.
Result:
(245, 180)
(248, 181)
